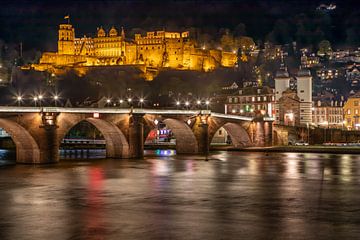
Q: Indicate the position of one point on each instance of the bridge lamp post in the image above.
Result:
(187, 104)
(19, 99)
(198, 103)
(40, 97)
(35, 100)
(129, 100)
(141, 102)
(177, 104)
(108, 101)
(56, 98)
(207, 103)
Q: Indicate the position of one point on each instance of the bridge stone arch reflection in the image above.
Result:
(116, 143)
(27, 149)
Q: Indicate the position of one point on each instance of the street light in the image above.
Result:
(56, 98)
(108, 101)
(207, 103)
(141, 102)
(40, 97)
(187, 104)
(19, 99)
(35, 100)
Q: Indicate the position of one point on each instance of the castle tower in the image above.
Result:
(304, 92)
(66, 44)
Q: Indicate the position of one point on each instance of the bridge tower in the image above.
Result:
(282, 83)
(304, 92)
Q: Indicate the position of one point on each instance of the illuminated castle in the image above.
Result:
(149, 53)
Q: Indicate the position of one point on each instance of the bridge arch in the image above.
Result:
(185, 139)
(117, 145)
(237, 133)
(27, 150)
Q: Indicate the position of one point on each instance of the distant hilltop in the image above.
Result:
(150, 53)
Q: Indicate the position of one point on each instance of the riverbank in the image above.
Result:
(308, 149)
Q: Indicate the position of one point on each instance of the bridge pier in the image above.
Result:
(136, 136)
(201, 132)
(49, 146)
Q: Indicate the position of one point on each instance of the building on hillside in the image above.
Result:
(353, 75)
(251, 101)
(352, 112)
(159, 49)
(327, 74)
(309, 61)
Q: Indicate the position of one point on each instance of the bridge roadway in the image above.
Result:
(39, 131)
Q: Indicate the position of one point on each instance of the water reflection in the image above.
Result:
(163, 196)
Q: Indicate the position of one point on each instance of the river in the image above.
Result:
(233, 195)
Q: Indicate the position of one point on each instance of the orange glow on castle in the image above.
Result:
(150, 53)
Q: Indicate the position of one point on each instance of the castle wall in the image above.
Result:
(155, 50)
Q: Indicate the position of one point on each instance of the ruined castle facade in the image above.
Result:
(156, 50)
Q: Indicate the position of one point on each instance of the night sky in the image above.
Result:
(35, 22)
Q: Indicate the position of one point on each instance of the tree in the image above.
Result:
(240, 30)
(227, 42)
(245, 43)
(324, 48)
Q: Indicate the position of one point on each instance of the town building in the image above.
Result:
(251, 101)
(352, 112)
(158, 49)
(327, 111)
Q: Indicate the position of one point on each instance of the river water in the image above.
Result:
(234, 195)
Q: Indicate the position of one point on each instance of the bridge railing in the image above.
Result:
(19, 109)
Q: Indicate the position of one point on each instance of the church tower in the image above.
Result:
(304, 92)
(66, 44)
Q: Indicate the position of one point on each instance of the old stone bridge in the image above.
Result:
(38, 132)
